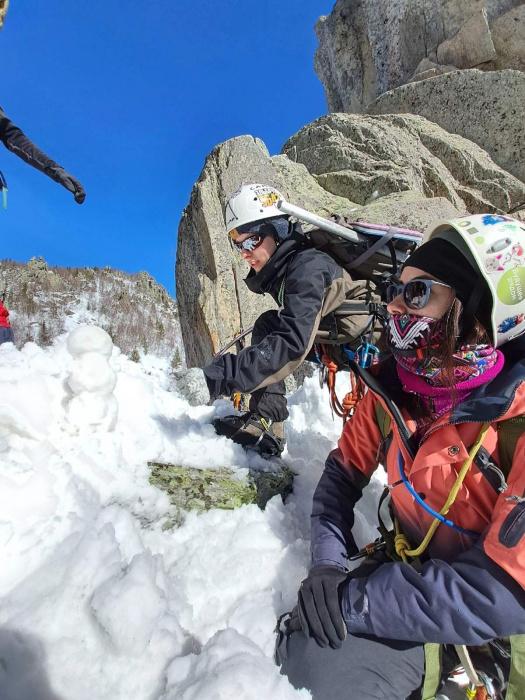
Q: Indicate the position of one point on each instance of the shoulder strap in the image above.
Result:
(383, 420)
(509, 432)
(516, 687)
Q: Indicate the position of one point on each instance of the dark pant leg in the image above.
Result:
(269, 402)
(364, 668)
(6, 335)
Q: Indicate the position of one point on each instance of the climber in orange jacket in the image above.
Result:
(445, 416)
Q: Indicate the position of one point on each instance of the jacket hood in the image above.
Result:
(269, 277)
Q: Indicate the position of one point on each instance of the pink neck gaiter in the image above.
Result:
(438, 398)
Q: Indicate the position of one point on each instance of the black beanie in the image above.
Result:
(446, 263)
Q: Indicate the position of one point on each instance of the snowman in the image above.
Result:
(91, 380)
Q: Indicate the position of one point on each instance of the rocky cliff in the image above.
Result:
(368, 47)
(458, 63)
(135, 310)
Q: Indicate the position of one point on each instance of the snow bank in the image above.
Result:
(98, 601)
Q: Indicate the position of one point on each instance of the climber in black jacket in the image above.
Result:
(308, 285)
(16, 141)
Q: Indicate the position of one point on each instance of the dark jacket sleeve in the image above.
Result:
(284, 348)
(334, 499)
(469, 601)
(16, 141)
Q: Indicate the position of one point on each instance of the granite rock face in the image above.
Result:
(508, 36)
(485, 107)
(368, 47)
(471, 46)
(356, 156)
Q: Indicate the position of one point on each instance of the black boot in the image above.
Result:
(253, 432)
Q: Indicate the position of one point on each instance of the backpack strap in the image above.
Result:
(509, 432)
(383, 420)
(516, 686)
(433, 670)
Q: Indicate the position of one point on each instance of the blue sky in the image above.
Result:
(130, 96)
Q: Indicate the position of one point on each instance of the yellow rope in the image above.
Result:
(400, 541)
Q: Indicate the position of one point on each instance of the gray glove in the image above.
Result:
(191, 383)
(319, 606)
(68, 181)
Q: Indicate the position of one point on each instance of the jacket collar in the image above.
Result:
(496, 399)
(489, 402)
(270, 276)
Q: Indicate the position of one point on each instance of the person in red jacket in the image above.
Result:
(6, 332)
(445, 416)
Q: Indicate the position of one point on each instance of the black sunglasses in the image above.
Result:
(249, 244)
(416, 292)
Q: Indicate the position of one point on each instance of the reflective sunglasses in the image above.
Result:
(416, 293)
(249, 244)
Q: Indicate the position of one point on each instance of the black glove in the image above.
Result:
(319, 606)
(68, 181)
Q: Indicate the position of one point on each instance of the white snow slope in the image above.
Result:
(98, 601)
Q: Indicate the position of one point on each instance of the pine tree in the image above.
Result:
(44, 337)
(176, 360)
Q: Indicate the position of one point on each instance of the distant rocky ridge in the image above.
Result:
(431, 102)
(136, 311)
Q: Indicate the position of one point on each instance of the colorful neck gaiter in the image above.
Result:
(414, 341)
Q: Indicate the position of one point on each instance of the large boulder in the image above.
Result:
(369, 47)
(408, 209)
(214, 303)
(362, 157)
(485, 107)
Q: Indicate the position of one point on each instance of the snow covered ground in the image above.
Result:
(98, 601)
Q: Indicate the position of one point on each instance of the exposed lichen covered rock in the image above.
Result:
(202, 489)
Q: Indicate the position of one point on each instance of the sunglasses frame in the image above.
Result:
(401, 289)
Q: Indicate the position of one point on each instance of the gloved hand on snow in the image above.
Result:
(192, 385)
(319, 605)
(68, 181)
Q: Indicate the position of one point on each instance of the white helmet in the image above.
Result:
(251, 203)
(494, 245)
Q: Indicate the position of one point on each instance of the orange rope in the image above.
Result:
(347, 407)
